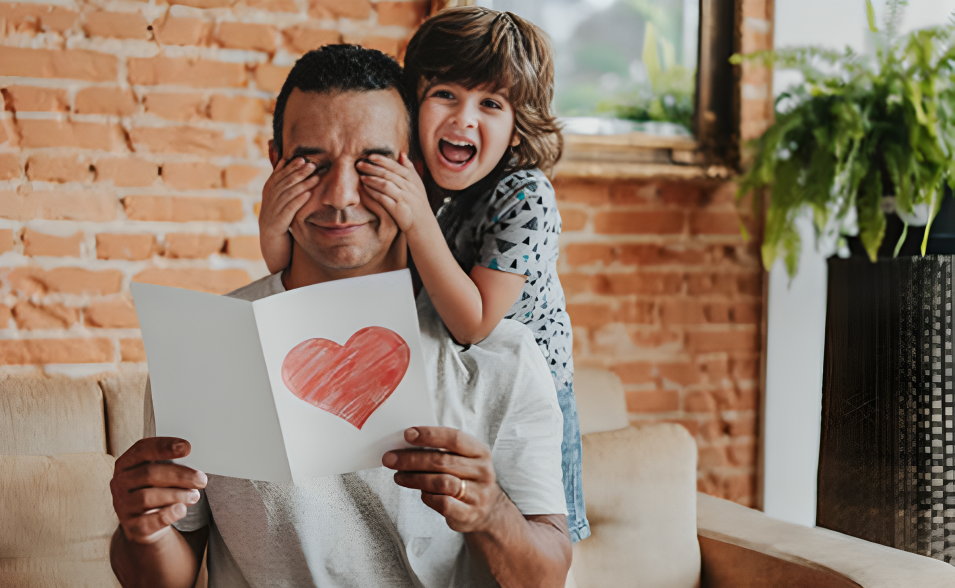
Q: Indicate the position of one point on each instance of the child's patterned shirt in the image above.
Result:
(515, 230)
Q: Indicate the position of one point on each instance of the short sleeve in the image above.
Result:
(519, 234)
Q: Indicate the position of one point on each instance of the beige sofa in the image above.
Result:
(59, 438)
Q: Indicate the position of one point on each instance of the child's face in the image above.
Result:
(464, 133)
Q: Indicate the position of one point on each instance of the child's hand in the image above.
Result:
(396, 186)
(285, 192)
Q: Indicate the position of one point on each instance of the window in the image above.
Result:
(620, 65)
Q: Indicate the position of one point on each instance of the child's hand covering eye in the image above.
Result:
(396, 186)
(284, 193)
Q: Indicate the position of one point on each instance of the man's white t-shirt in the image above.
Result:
(363, 530)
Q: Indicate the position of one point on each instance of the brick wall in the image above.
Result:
(133, 148)
(663, 290)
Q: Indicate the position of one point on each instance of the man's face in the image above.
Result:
(341, 228)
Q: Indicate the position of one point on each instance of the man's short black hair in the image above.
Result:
(342, 68)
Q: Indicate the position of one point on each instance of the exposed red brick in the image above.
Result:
(357, 9)
(49, 316)
(402, 14)
(240, 35)
(244, 247)
(387, 45)
(176, 106)
(270, 77)
(713, 430)
(700, 284)
(681, 311)
(61, 133)
(592, 193)
(183, 31)
(44, 167)
(712, 457)
(273, 5)
(653, 401)
(742, 426)
(192, 175)
(122, 25)
(126, 171)
(132, 350)
(745, 369)
(179, 209)
(129, 246)
(35, 99)
(750, 284)
(589, 253)
(636, 311)
(25, 17)
(75, 64)
(237, 177)
(699, 401)
(193, 245)
(573, 220)
(186, 139)
(742, 454)
(101, 100)
(46, 351)
(152, 71)
(740, 313)
(204, 3)
(662, 222)
(5, 317)
(203, 280)
(9, 166)
(68, 280)
(58, 205)
(658, 255)
(715, 223)
(712, 341)
(239, 109)
(638, 283)
(682, 374)
(37, 244)
(111, 313)
(640, 372)
(6, 244)
(301, 39)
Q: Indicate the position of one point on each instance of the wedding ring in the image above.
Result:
(462, 491)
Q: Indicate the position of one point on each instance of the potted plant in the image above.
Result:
(869, 148)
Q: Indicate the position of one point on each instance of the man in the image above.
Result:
(487, 507)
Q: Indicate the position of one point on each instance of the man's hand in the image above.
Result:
(458, 481)
(396, 186)
(284, 193)
(149, 493)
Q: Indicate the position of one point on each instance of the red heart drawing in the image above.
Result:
(349, 381)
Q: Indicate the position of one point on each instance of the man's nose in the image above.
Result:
(339, 187)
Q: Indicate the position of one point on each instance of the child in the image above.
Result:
(484, 82)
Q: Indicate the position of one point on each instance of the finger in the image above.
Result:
(431, 483)
(295, 176)
(446, 506)
(390, 204)
(140, 529)
(153, 449)
(139, 501)
(384, 186)
(447, 438)
(441, 462)
(406, 162)
(295, 189)
(282, 170)
(383, 167)
(285, 216)
(161, 475)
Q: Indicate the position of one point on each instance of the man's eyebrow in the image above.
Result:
(301, 151)
(383, 151)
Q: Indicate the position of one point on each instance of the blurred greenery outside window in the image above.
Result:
(620, 65)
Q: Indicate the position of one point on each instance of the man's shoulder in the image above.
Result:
(261, 288)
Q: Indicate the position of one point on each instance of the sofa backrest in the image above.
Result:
(58, 441)
(640, 493)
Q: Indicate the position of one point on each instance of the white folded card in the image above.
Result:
(317, 381)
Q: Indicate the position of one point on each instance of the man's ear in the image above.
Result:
(273, 154)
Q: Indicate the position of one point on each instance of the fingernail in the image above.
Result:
(178, 447)
(193, 497)
(179, 509)
(411, 434)
(203, 479)
(389, 459)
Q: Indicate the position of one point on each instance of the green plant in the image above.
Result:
(854, 132)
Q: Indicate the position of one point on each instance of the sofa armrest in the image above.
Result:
(742, 547)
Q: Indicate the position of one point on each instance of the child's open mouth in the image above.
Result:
(457, 153)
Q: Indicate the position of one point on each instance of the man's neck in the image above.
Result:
(303, 271)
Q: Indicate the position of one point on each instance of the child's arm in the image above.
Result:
(285, 192)
(471, 306)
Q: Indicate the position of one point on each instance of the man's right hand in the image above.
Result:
(149, 492)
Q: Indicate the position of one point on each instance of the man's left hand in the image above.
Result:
(457, 481)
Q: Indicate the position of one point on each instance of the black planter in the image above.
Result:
(941, 238)
(887, 454)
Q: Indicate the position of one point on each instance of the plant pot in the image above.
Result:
(887, 453)
(941, 238)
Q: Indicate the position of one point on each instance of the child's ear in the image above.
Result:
(515, 140)
(273, 154)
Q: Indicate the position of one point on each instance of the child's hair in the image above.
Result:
(475, 46)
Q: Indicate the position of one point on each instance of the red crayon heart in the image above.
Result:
(349, 381)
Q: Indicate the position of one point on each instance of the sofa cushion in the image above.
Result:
(123, 394)
(600, 401)
(40, 416)
(56, 507)
(55, 573)
(640, 492)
